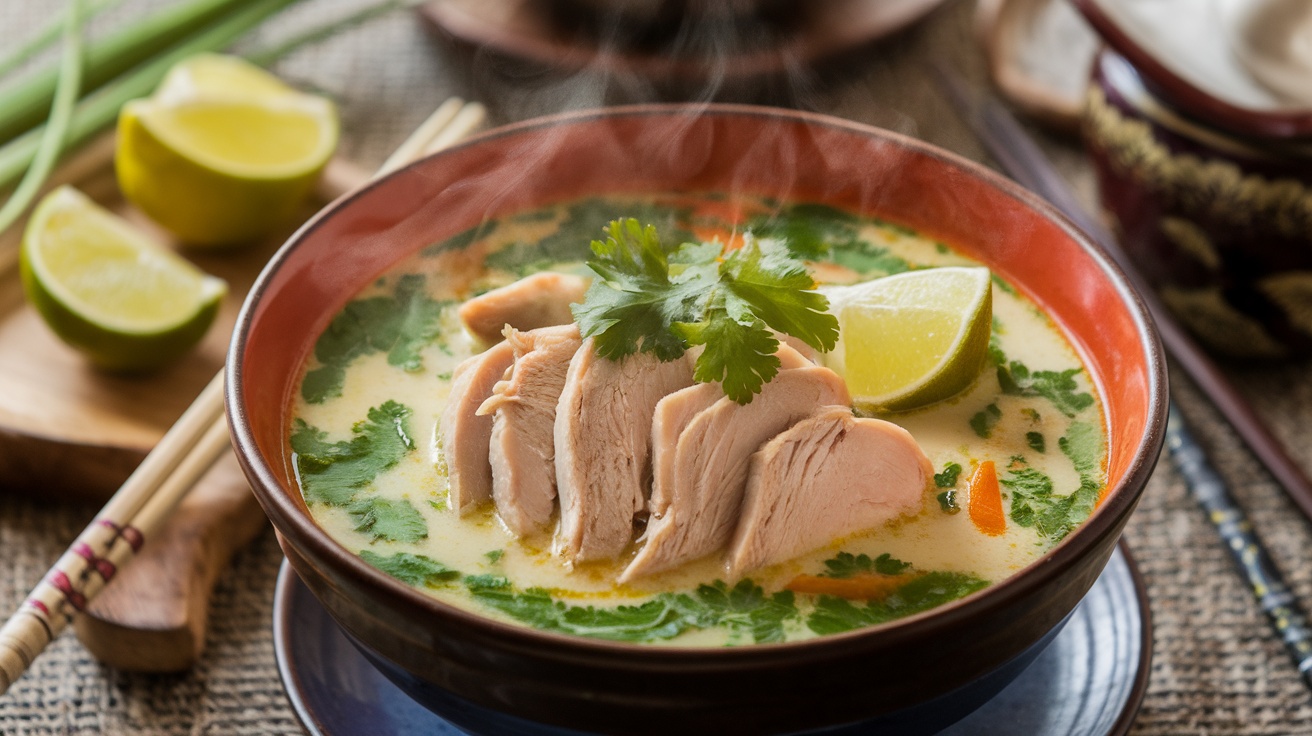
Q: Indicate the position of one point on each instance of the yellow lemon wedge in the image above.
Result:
(107, 290)
(914, 338)
(223, 152)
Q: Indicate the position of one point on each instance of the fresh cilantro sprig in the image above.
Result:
(649, 300)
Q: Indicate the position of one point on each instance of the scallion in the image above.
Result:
(27, 103)
(52, 139)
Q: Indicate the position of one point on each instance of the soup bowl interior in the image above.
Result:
(738, 151)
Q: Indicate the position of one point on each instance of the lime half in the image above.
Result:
(914, 338)
(107, 290)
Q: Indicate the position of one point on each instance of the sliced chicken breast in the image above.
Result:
(463, 434)
(603, 440)
(521, 449)
(540, 300)
(711, 465)
(828, 476)
(672, 416)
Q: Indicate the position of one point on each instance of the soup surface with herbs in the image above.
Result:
(366, 444)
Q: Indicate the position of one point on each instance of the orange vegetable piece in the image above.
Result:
(858, 587)
(985, 502)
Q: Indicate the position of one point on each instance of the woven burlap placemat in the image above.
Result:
(1217, 668)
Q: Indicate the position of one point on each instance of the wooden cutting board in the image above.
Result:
(71, 432)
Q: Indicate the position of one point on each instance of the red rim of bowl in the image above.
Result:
(301, 530)
(1234, 118)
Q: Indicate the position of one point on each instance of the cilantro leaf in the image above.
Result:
(984, 420)
(846, 565)
(399, 325)
(332, 472)
(416, 570)
(1059, 387)
(387, 519)
(1036, 441)
(1083, 444)
(809, 230)
(633, 303)
(948, 478)
(653, 620)
(727, 341)
(647, 299)
(947, 502)
(744, 608)
(1034, 504)
(780, 292)
(833, 615)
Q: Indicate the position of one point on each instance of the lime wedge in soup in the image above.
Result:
(914, 338)
(107, 290)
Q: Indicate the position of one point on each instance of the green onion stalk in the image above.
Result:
(52, 138)
(27, 103)
(100, 110)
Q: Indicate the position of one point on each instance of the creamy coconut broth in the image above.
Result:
(366, 442)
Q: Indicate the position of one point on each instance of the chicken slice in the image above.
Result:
(540, 300)
(603, 440)
(711, 463)
(463, 434)
(523, 409)
(828, 476)
(673, 414)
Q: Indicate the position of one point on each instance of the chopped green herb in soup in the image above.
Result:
(661, 430)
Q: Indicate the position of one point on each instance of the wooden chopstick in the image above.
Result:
(1017, 154)
(1021, 158)
(143, 503)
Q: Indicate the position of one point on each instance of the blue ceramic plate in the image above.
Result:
(1088, 682)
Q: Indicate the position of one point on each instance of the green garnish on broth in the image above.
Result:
(948, 478)
(833, 615)
(984, 420)
(648, 299)
(417, 570)
(388, 519)
(846, 565)
(334, 472)
(399, 325)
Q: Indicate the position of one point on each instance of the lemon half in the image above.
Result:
(914, 338)
(223, 152)
(105, 289)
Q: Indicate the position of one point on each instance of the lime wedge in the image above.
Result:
(105, 289)
(223, 152)
(914, 338)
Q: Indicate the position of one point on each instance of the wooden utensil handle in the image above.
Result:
(153, 618)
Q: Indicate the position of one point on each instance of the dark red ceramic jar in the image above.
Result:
(1221, 225)
(608, 687)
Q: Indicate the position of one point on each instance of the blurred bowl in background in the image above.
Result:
(1220, 224)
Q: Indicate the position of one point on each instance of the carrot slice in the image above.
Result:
(986, 500)
(858, 587)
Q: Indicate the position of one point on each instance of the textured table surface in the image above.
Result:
(1217, 668)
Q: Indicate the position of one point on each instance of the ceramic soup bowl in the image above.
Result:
(929, 668)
